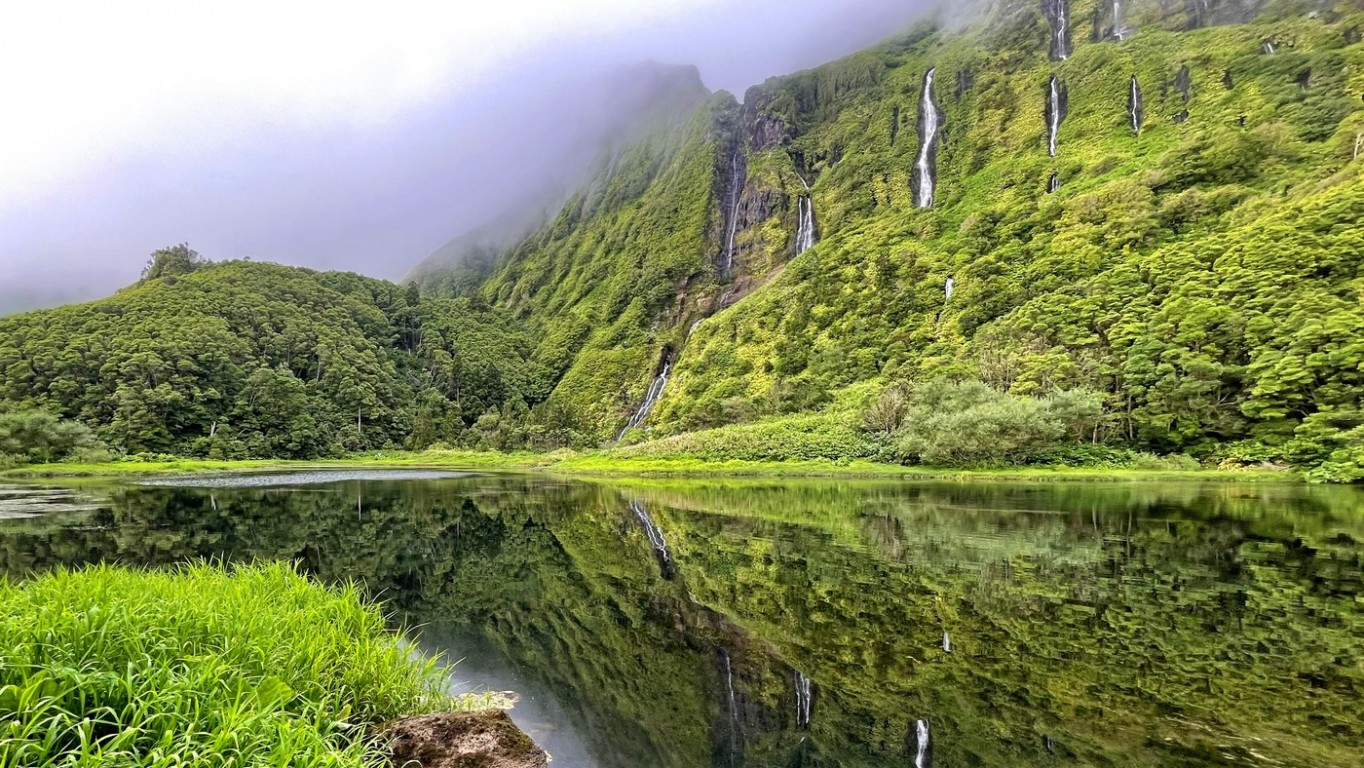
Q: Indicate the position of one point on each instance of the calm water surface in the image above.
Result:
(818, 623)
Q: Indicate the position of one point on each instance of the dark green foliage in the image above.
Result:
(242, 359)
(37, 437)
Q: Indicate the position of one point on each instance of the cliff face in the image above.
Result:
(1199, 263)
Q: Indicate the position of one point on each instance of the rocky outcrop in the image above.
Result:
(461, 740)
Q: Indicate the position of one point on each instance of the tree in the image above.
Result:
(172, 262)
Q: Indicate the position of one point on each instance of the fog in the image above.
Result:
(345, 142)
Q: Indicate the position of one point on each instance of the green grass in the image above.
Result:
(620, 463)
(199, 666)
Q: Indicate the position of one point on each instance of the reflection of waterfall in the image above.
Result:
(921, 757)
(803, 699)
(1056, 109)
(651, 530)
(651, 398)
(928, 138)
(1058, 15)
(732, 722)
(1135, 110)
(736, 183)
(948, 287)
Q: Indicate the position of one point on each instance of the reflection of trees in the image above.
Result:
(1086, 618)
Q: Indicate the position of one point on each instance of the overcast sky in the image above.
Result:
(339, 134)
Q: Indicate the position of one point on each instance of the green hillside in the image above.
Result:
(1200, 269)
(246, 359)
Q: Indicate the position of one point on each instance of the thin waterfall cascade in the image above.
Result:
(946, 642)
(1058, 16)
(1053, 183)
(921, 756)
(805, 226)
(949, 287)
(1120, 30)
(930, 124)
(1267, 47)
(694, 326)
(732, 699)
(736, 192)
(1136, 111)
(651, 398)
(804, 699)
(651, 530)
(1055, 113)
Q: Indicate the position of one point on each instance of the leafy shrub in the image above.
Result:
(38, 437)
(970, 424)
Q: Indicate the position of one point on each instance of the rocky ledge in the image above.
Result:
(462, 740)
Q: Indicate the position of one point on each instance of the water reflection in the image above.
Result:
(763, 623)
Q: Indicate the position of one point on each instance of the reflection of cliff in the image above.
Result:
(1088, 623)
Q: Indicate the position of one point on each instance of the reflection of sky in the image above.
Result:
(478, 667)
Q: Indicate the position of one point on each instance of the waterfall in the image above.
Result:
(733, 700)
(1119, 30)
(651, 398)
(946, 642)
(948, 287)
(1056, 107)
(921, 756)
(735, 193)
(694, 326)
(804, 699)
(1267, 47)
(651, 530)
(1053, 183)
(1058, 14)
(928, 139)
(805, 229)
(1134, 105)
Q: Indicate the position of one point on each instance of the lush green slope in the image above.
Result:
(1201, 272)
(248, 359)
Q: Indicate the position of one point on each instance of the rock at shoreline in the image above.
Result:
(462, 740)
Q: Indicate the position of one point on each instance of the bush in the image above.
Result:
(38, 437)
(93, 670)
(965, 428)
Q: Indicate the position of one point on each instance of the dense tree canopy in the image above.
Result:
(243, 359)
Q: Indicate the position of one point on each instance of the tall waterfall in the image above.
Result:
(1135, 110)
(921, 758)
(805, 227)
(804, 699)
(736, 189)
(929, 123)
(651, 530)
(1058, 15)
(1120, 30)
(651, 398)
(1055, 112)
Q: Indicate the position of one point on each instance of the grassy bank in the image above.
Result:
(199, 666)
(622, 463)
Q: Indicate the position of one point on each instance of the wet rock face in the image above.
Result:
(966, 80)
(1184, 83)
(768, 131)
(461, 740)
(1058, 18)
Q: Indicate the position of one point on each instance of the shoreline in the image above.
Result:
(573, 464)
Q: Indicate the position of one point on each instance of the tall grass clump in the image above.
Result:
(198, 666)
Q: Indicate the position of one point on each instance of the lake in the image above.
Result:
(715, 622)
